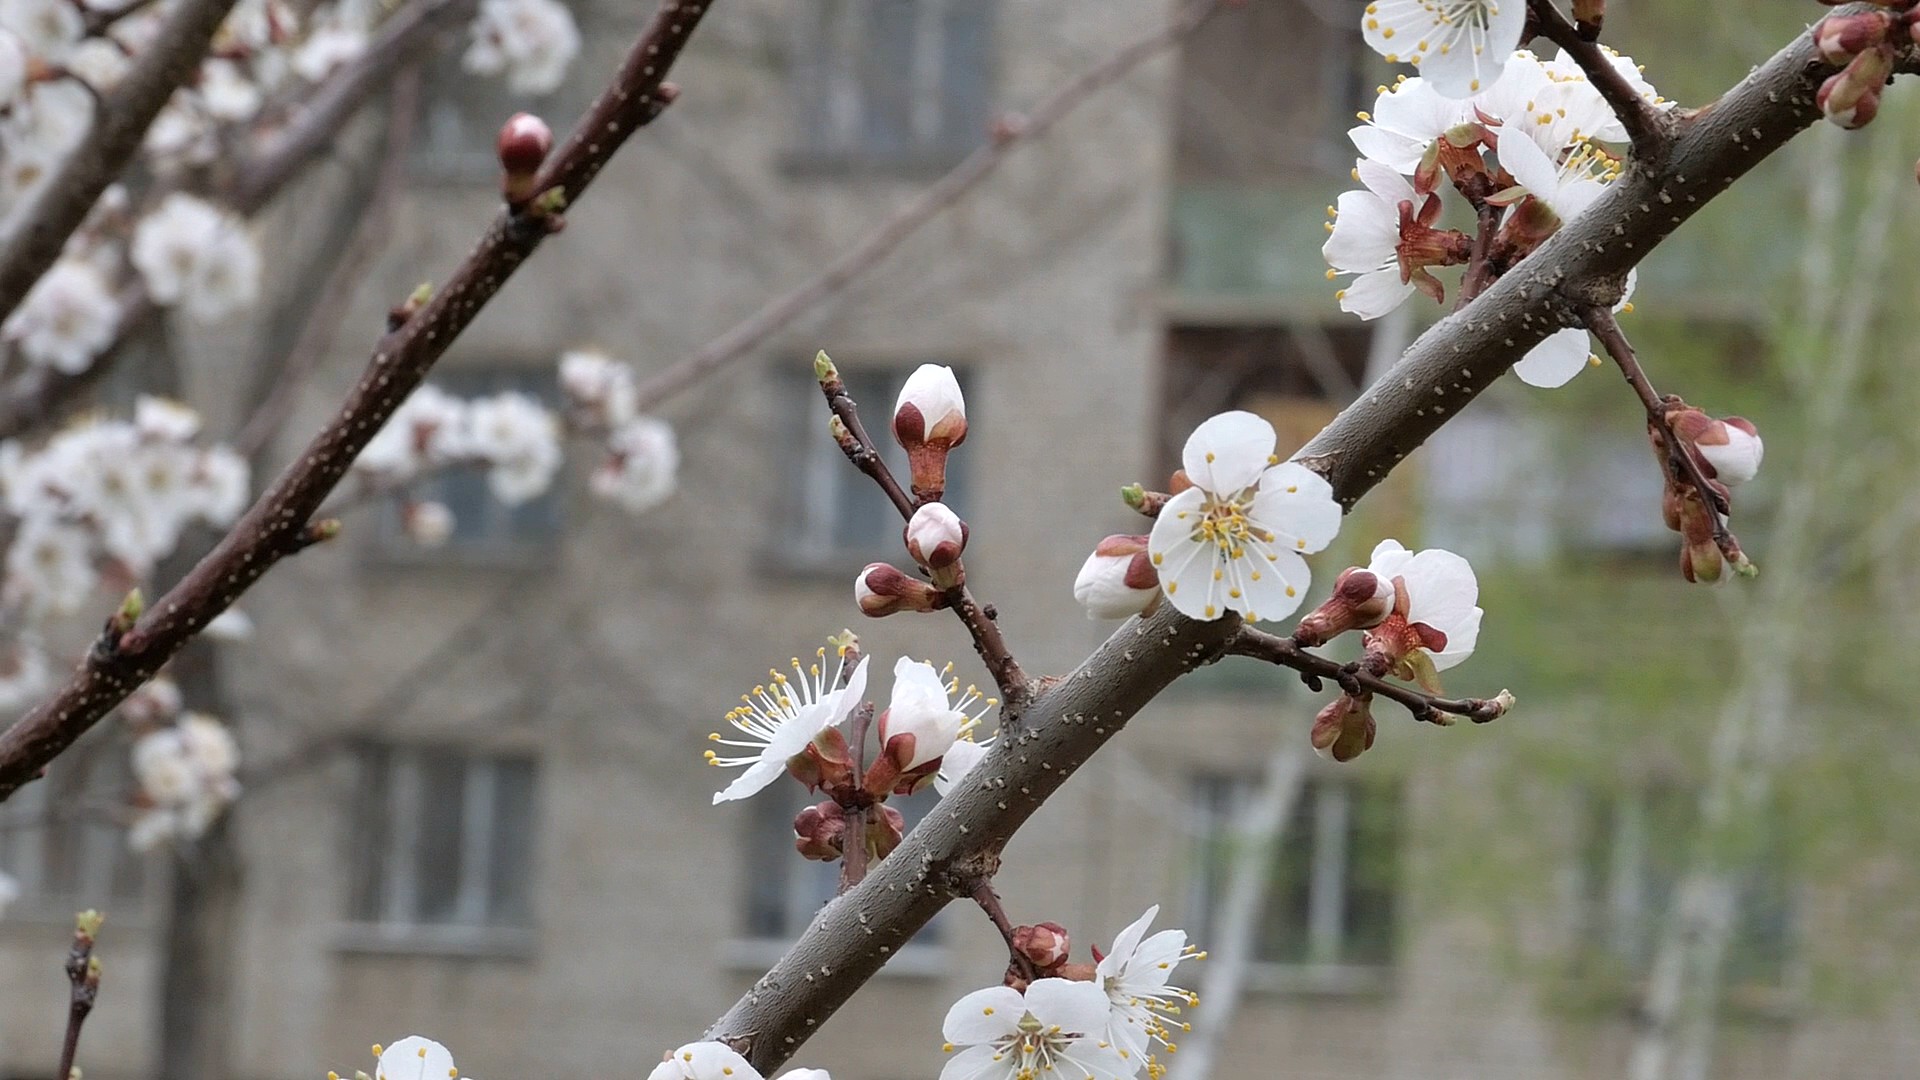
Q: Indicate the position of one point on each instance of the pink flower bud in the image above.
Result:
(1733, 448)
(929, 420)
(1117, 580)
(1345, 728)
(1851, 98)
(819, 831)
(525, 140)
(883, 590)
(1045, 944)
(885, 829)
(1840, 38)
(935, 538)
(1361, 600)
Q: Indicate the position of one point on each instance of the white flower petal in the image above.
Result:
(978, 1062)
(1297, 502)
(1376, 293)
(1076, 1007)
(1228, 452)
(415, 1058)
(1185, 565)
(1555, 361)
(985, 1015)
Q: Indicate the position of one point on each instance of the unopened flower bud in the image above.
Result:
(1851, 98)
(1840, 38)
(935, 538)
(427, 523)
(1345, 728)
(1361, 600)
(885, 829)
(819, 831)
(525, 140)
(929, 420)
(1045, 944)
(1589, 16)
(1117, 580)
(1733, 447)
(882, 589)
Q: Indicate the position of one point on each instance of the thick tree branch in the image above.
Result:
(1649, 129)
(277, 524)
(1355, 679)
(1453, 362)
(40, 228)
(1010, 132)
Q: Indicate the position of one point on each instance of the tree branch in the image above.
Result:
(40, 228)
(1453, 362)
(277, 523)
(1355, 679)
(989, 901)
(1649, 129)
(1009, 133)
(83, 979)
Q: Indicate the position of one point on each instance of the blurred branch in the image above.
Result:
(1009, 132)
(277, 525)
(121, 117)
(329, 307)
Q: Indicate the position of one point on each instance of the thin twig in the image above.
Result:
(1010, 132)
(83, 978)
(1648, 129)
(989, 902)
(987, 639)
(1659, 409)
(1479, 268)
(277, 524)
(853, 834)
(41, 227)
(1352, 677)
(329, 309)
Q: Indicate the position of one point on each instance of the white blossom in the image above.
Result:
(959, 760)
(642, 465)
(186, 777)
(1234, 540)
(939, 410)
(599, 386)
(428, 523)
(1442, 595)
(1117, 580)
(1461, 46)
(25, 674)
(1142, 1004)
(1404, 121)
(329, 46)
(13, 67)
(1365, 242)
(779, 719)
(706, 1061)
(231, 625)
(415, 1058)
(192, 254)
(1567, 185)
(165, 419)
(426, 429)
(47, 28)
(49, 567)
(530, 42)
(924, 708)
(183, 134)
(38, 132)
(227, 92)
(68, 318)
(1733, 448)
(1565, 352)
(519, 438)
(1056, 1030)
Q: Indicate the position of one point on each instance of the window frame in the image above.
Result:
(397, 928)
(1326, 971)
(830, 118)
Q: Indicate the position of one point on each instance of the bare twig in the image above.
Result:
(989, 901)
(1355, 679)
(853, 834)
(987, 639)
(329, 309)
(1680, 460)
(1479, 268)
(277, 523)
(40, 229)
(877, 244)
(1650, 130)
(83, 978)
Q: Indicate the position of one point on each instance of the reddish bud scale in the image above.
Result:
(525, 140)
(882, 589)
(1045, 945)
(1345, 728)
(1358, 603)
(1840, 38)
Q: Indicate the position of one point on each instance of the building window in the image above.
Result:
(62, 839)
(1296, 375)
(839, 520)
(784, 890)
(485, 529)
(442, 846)
(1636, 852)
(896, 85)
(1330, 919)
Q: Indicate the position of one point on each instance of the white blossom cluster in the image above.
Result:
(1535, 131)
(642, 463)
(185, 770)
(181, 251)
(511, 434)
(105, 499)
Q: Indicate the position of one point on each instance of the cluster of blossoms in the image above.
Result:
(642, 460)
(1727, 453)
(1864, 45)
(105, 499)
(419, 1058)
(1100, 1021)
(173, 249)
(1533, 143)
(795, 726)
(184, 763)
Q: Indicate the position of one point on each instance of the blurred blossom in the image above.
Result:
(529, 42)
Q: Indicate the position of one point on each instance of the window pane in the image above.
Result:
(510, 869)
(886, 78)
(966, 58)
(436, 853)
(1284, 936)
(1373, 875)
(370, 841)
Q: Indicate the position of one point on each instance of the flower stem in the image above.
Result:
(1648, 129)
(1351, 677)
(989, 902)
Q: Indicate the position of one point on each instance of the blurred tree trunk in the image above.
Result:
(1831, 339)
